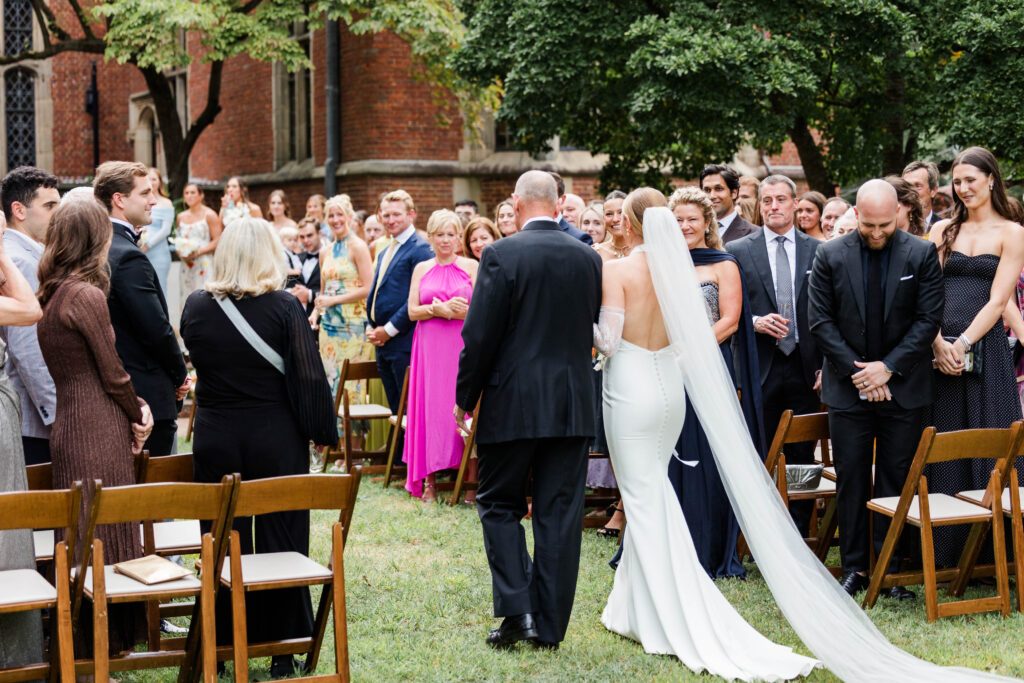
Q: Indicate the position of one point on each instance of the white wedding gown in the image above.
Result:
(661, 596)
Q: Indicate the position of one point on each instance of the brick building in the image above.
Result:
(272, 127)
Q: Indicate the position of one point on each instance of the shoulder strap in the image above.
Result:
(255, 340)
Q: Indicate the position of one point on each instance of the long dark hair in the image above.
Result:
(908, 197)
(76, 246)
(981, 158)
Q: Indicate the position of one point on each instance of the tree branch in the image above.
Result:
(83, 21)
(249, 6)
(89, 45)
(211, 109)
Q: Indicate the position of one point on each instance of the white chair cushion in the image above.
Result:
(287, 566)
(24, 585)
(394, 420)
(366, 411)
(940, 506)
(978, 495)
(119, 584)
(43, 541)
(178, 534)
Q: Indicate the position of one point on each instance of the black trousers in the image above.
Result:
(888, 435)
(786, 389)
(392, 366)
(37, 450)
(546, 585)
(163, 440)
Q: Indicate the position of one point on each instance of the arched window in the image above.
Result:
(17, 26)
(21, 118)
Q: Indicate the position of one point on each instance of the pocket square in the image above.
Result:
(807, 273)
(906, 277)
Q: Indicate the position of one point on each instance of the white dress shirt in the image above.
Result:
(790, 246)
(402, 238)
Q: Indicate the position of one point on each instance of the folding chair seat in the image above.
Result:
(102, 585)
(266, 571)
(356, 371)
(919, 508)
(172, 537)
(391, 469)
(24, 590)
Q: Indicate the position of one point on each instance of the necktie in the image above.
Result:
(380, 277)
(873, 306)
(784, 294)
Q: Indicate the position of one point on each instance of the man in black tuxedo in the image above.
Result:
(309, 289)
(564, 225)
(527, 358)
(776, 262)
(722, 185)
(145, 340)
(924, 176)
(876, 300)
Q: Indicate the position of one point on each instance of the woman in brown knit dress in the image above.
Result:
(100, 421)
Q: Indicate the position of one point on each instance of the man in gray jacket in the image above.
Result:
(29, 197)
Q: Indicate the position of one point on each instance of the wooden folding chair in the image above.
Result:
(396, 430)
(461, 483)
(103, 586)
(356, 371)
(798, 429)
(268, 571)
(917, 507)
(24, 590)
(40, 478)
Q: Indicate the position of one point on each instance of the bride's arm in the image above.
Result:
(608, 329)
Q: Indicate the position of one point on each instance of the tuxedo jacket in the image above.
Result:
(740, 227)
(752, 254)
(144, 338)
(914, 299)
(310, 277)
(528, 337)
(567, 227)
(393, 297)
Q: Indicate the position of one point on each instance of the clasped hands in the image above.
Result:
(456, 307)
(141, 430)
(949, 357)
(872, 381)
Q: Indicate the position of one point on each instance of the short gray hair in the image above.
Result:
(537, 187)
(778, 179)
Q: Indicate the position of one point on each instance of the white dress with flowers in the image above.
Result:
(190, 238)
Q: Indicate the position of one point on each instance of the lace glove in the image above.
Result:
(608, 330)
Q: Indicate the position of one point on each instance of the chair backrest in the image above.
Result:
(301, 492)
(356, 370)
(40, 477)
(164, 468)
(42, 509)
(142, 502)
(798, 429)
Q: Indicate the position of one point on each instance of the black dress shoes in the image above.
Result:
(545, 645)
(512, 630)
(898, 593)
(283, 666)
(853, 583)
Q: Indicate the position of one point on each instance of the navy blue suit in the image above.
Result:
(392, 306)
(567, 227)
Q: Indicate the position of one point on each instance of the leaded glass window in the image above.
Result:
(21, 118)
(17, 26)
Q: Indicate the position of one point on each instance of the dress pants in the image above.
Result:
(163, 440)
(786, 389)
(546, 585)
(37, 450)
(392, 365)
(888, 435)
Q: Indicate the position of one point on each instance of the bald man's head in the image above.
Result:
(572, 207)
(536, 195)
(877, 206)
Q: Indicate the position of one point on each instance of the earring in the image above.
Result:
(707, 231)
(991, 186)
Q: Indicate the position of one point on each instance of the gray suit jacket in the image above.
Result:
(740, 227)
(26, 367)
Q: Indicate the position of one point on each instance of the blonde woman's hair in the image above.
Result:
(697, 197)
(441, 218)
(343, 202)
(248, 260)
(638, 201)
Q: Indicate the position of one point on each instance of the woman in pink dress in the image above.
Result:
(438, 299)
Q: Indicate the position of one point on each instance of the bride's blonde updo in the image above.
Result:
(638, 201)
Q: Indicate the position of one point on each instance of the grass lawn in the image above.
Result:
(419, 603)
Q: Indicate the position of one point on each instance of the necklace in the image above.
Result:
(621, 253)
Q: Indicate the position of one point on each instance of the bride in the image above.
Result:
(655, 333)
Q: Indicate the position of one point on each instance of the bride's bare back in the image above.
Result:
(626, 284)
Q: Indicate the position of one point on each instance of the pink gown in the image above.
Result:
(432, 442)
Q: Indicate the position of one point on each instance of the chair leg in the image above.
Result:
(826, 531)
(64, 661)
(101, 655)
(340, 611)
(1018, 537)
(999, 545)
(931, 595)
(347, 426)
(323, 612)
(240, 644)
(208, 579)
(968, 558)
(882, 562)
(392, 442)
(461, 476)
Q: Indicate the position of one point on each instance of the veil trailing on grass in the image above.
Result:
(828, 621)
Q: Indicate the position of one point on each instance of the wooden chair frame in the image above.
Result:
(47, 510)
(1003, 444)
(40, 478)
(279, 494)
(391, 470)
(210, 502)
(461, 482)
(355, 371)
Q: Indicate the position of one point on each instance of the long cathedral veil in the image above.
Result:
(828, 621)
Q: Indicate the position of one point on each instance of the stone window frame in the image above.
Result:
(42, 71)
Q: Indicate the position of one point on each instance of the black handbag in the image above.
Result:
(974, 362)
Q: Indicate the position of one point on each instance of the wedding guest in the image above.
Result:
(749, 186)
(592, 222)
(565, 225)
(877, 380)
(571, 209)
(256, 415)
(722, 185)
(942, 203)
(748, 211)
(373, 230)
(195, 240)
(924, 176)
(153, 241)
(776, 262)
(235, 203)
(505, 218)
(910, 217)
(834, 208)
(308, 289)
(845, 224)
(467, 210)
(292, 248)
(101, 421)
(439, 294)
(478, 234)
(356, 224)
(315, 210)
(981, 249)
(622, 241)
(146, 342)
(694, 474)
(29, 199)
(20, 632)
(808, 214)
(279, 212)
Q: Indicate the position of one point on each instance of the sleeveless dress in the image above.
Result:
(21, 634)
(662, 597)
(432, 441)
(342, 327)
(157, 250)
(192, 236)
(970, 401)
(694, 476)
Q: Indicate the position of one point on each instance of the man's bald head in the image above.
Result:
(536, 194)
(572, 207)
(877, 206)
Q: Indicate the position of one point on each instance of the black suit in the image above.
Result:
(574, 232)
(310, 277)
(527, 357)
(911, 315)
(740, 227)
(144, 338)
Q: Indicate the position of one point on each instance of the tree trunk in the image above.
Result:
(811, 157)
(894, 153)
